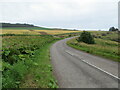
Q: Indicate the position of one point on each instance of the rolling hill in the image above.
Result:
(19, 26)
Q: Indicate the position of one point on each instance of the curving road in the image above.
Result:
(77, 69)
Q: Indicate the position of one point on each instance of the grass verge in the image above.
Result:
(105, 48)
(40, 75)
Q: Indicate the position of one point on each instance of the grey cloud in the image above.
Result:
(79, 14)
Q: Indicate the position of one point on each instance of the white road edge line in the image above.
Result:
(69, 53)
(101, 69)
(94, 66)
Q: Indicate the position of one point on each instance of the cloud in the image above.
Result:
(87, 14)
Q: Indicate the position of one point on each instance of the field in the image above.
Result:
(35, 32)
(26, 28)
(26, 62)
(104, 46)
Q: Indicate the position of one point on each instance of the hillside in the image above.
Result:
(22, 26)
(8, 28)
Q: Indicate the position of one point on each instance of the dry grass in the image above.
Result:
(52, 32)
(36, 32)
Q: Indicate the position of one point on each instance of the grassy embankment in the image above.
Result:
(104, 46)
(26, 62)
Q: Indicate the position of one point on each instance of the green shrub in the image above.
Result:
(103, 34)
(86, 37)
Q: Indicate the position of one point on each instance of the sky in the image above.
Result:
(69, 14)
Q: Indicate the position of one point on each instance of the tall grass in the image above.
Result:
(105, 48)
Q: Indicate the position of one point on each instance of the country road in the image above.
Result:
(77, 69)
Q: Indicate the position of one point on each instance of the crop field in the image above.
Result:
(26, 62)
(53, 32)
(18, 32)
(36, 32)
(104, 46)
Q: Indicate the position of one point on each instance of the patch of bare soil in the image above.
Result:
(31, 30)
(43, 33)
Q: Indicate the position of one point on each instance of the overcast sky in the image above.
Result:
(73, 14)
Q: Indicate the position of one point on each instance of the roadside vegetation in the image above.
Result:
(103, 46)
(26, 62)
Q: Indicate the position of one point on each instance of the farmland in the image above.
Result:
(36, 32)
(26, 62)
(106, 45)
(8, 28)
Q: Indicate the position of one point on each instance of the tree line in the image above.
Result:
(113, 29)
(16, 25)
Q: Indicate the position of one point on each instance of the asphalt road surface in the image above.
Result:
(77, 69)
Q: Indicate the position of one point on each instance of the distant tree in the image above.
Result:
(113, 29)
(86, 37)
(117, 29)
